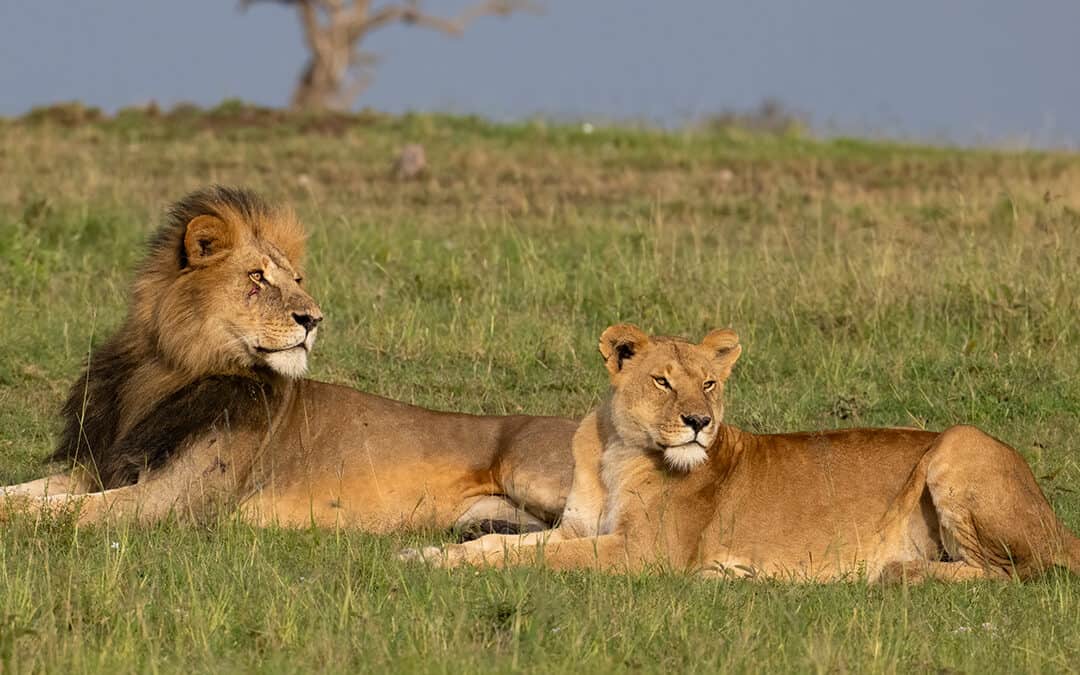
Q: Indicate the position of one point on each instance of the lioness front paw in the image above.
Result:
(436, 556)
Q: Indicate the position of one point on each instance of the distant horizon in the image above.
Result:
(968, 73)
(807, 128)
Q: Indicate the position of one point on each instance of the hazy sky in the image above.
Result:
(971, 71)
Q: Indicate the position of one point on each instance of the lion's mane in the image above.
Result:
(135, 404)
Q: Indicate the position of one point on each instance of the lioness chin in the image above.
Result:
(659, 479)
(197, 405)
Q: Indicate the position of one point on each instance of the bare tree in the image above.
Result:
(337, 71)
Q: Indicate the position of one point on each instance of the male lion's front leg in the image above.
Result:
(147, 502)
(38, 501)
(190, 487)
(129, 502)
(57, 484)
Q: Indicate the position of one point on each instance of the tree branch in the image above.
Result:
(357, 19)
(334, 29)
(309, 17)
(412, 14)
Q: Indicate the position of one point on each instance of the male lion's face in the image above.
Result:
(667, 394)
(277, 320)
(238, 303)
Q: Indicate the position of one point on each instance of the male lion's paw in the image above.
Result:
(432, 555)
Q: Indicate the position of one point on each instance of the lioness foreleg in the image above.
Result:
(607, 552)
(489, 550)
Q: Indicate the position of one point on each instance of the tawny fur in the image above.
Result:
(876, 504)
(197, 405)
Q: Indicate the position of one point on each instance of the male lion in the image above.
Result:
(197, 404)
(659, 478)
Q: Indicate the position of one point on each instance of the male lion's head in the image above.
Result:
(667, 393)
(221, 291)
(217, 307)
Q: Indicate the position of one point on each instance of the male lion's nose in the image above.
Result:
(696, 422)
(308, 321)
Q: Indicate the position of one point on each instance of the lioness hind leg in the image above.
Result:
(992, 514)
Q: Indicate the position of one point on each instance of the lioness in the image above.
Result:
(659, 478)
(197, 404)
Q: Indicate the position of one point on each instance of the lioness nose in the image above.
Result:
(696, 422)
(308, 321)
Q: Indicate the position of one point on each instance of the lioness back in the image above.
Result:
(857, 469)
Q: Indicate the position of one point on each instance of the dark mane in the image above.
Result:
(91, 413)
(208, 405)
(91, 419)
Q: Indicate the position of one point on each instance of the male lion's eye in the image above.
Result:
(709, 385)
(661, 382)
(256, 276)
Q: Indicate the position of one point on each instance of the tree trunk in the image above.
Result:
(333, 29)
(323, 85)
(320, 87)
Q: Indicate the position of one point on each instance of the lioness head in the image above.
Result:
(222, 288)
(667, 393)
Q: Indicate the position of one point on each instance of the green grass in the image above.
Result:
(872, 284)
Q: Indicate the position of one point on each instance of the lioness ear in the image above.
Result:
(205, 237)
(620, 343)
(723, 345)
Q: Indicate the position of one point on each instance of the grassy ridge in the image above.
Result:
(872, 284)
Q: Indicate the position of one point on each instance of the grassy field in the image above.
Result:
(872, 284)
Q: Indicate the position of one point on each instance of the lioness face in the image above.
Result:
(667, 394)
(237, 303)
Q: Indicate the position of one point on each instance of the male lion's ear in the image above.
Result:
(206, 236)
(620, 343)
(723, 345)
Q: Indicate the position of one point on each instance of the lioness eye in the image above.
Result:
(256, 276)
(709, 385)
(661, 382)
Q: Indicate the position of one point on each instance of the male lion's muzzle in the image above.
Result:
(308, 320)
